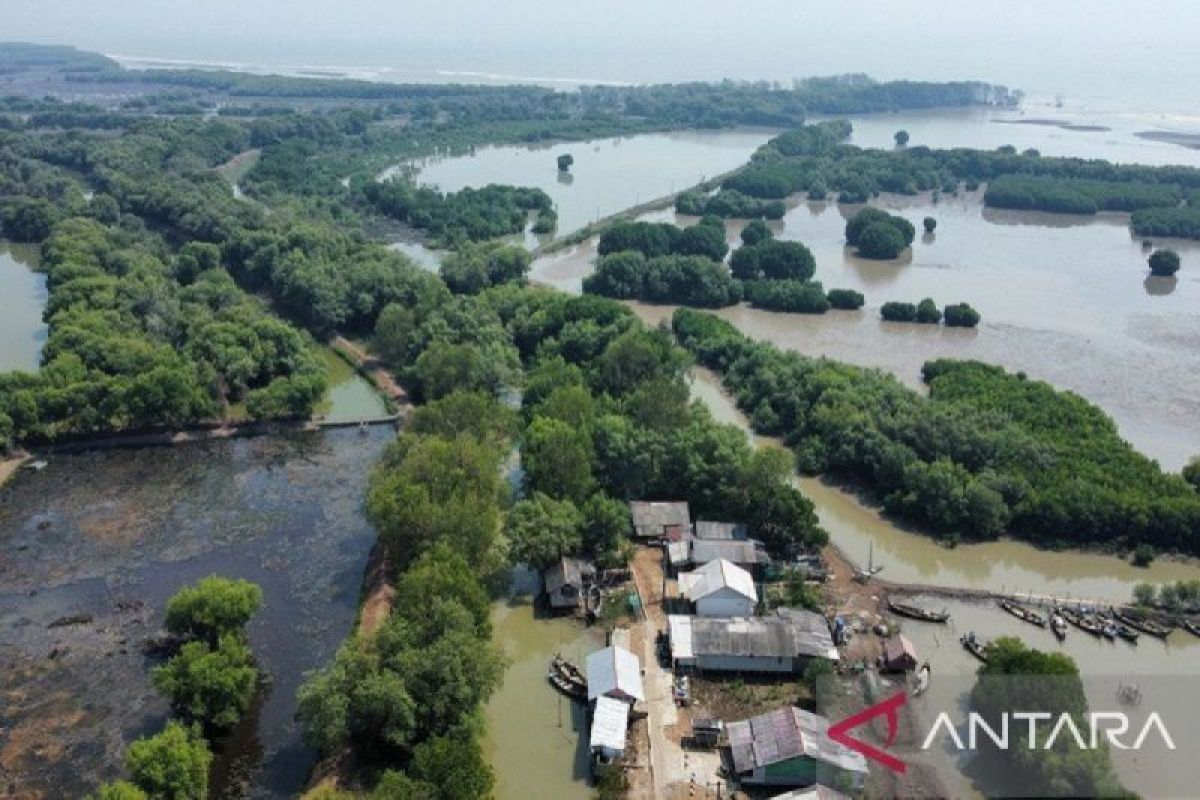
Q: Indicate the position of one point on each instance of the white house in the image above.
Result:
(610, 724)
(614, 672)
(720, 589)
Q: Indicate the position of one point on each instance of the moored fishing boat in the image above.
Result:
(1143, 625)
(567, 678)
(1059, 626)
(1127, 633)
(916, 612)
(1085, 623)
(974, 646)
(1020, 612)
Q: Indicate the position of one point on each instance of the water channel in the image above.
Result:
(23, 296)
(112, 535)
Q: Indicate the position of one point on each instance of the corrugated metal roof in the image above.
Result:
(707, 529)
(897, 647)
(715, 576)
(610, 720)
(614, 669)
(679, 552)
(785, 634)
(565, 571)
(748, 552)
(651, 517)
(784, 734)
(679, 629)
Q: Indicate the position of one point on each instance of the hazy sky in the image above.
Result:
(1101, 47)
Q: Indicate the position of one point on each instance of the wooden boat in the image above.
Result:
(1084, 623)
(1191, 627)
(1125, 632)
(1059, 626)
(567, 687)
(974, 646)
(1143, 625)
(916, 612)
(1019, 612)
(567, 678)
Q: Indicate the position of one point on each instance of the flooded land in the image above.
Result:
(609, 175)
(536, 738)
(1160, 669)
(907, 556)
(110, 535)
(1066, 299)
(22, 298)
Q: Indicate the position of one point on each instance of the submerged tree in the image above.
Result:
(212, 608)
(565, 161)
(901, 138)
(1164, 263)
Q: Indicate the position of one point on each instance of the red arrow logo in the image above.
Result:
(838, 731)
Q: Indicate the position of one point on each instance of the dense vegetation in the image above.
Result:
(771, 259)
(729, 204)
(688, 280)
(956, 315)
(1076, 195)
(801, 297)
(1017, 678)
(987, 454)
(815, 160)
(878, 234)
(1180, 223)
(1164, 263)
(210, 680)
(465, 215)
(706, 238)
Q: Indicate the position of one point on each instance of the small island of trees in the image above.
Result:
(1164, 263)
(879, 235)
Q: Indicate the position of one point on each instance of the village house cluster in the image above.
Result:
(712, 624)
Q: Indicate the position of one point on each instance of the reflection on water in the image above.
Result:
(911, 557)
(1159, 668)
(536, 738)
(350, 395)
(989, 128)
(609, 175)
(1066, 303)
(113, 534)
(22, 299)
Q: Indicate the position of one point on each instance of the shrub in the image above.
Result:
(893, 311)
(961, 315)
(212, 608)
(171, 765)
(796, 296)
(928, 313)
(881, 241)
(847, 299)
(1164, 263)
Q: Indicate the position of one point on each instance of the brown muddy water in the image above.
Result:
(1066, 299)
(537, 740)
(907, 556)
(1163, 670)
(1160, 668)
(609, 175)
(113, 534)
(22, 299)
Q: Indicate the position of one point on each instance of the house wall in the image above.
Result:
(725, 603)
(799, 771)
(745, 664)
